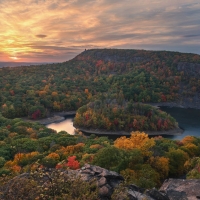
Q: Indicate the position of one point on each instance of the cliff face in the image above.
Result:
(114, 55)
(168, 65)
(192, 69)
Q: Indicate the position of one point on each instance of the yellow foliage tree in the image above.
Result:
(71, 149)
(96, 146)
(129, 175)
(191, 149)
(22, 157)
(187, 139)
(138, 140)
(55, 156)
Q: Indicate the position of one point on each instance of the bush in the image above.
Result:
(45, 185)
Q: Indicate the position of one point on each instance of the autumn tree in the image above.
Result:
(139, 140)
(161, 165)
(73, 163)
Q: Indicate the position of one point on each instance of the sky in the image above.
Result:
(58, 30)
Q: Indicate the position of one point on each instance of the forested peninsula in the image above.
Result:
(109, 118)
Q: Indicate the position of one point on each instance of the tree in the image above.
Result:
(161, 165)
(36, 112)
(2, 161)
(73, 163)
(193, 166)
(139, 140)
(177, 159)
(108, 157)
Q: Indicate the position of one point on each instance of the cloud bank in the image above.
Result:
(57, 30)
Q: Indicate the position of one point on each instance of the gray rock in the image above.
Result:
(181, 189)
(158, 195)
(138, 196)
(105, 191)
(102, 181)
(105, 179)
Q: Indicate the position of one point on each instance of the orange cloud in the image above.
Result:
(57, 30)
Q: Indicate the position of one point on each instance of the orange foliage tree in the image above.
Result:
(161, 165)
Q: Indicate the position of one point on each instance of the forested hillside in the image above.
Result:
(138, 75)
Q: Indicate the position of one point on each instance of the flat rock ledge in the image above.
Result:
(176, 131)
(182, 189)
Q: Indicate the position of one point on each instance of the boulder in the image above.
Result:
(106, 180)
(182, 189)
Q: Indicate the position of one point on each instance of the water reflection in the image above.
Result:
(188, 119)
(66, 125)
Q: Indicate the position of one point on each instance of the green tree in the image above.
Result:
(177, 159)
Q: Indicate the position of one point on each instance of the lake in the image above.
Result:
(66, 125)
(188, 119)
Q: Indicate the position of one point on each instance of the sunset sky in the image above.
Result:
(58, 30)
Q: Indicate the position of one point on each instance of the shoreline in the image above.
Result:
(64, 113)
(173, 132)
(175, 105)
(55, 118)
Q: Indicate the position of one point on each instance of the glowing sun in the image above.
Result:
(14, 58)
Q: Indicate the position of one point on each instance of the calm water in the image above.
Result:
(66, 125)
(188, 119)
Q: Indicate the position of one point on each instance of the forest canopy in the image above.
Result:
(128, 116)
(28, 147)
(138, 75)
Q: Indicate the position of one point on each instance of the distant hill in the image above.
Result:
(16, 64)
(160, 77)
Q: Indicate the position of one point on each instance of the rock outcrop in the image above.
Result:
(107, 182)
(182, 189)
